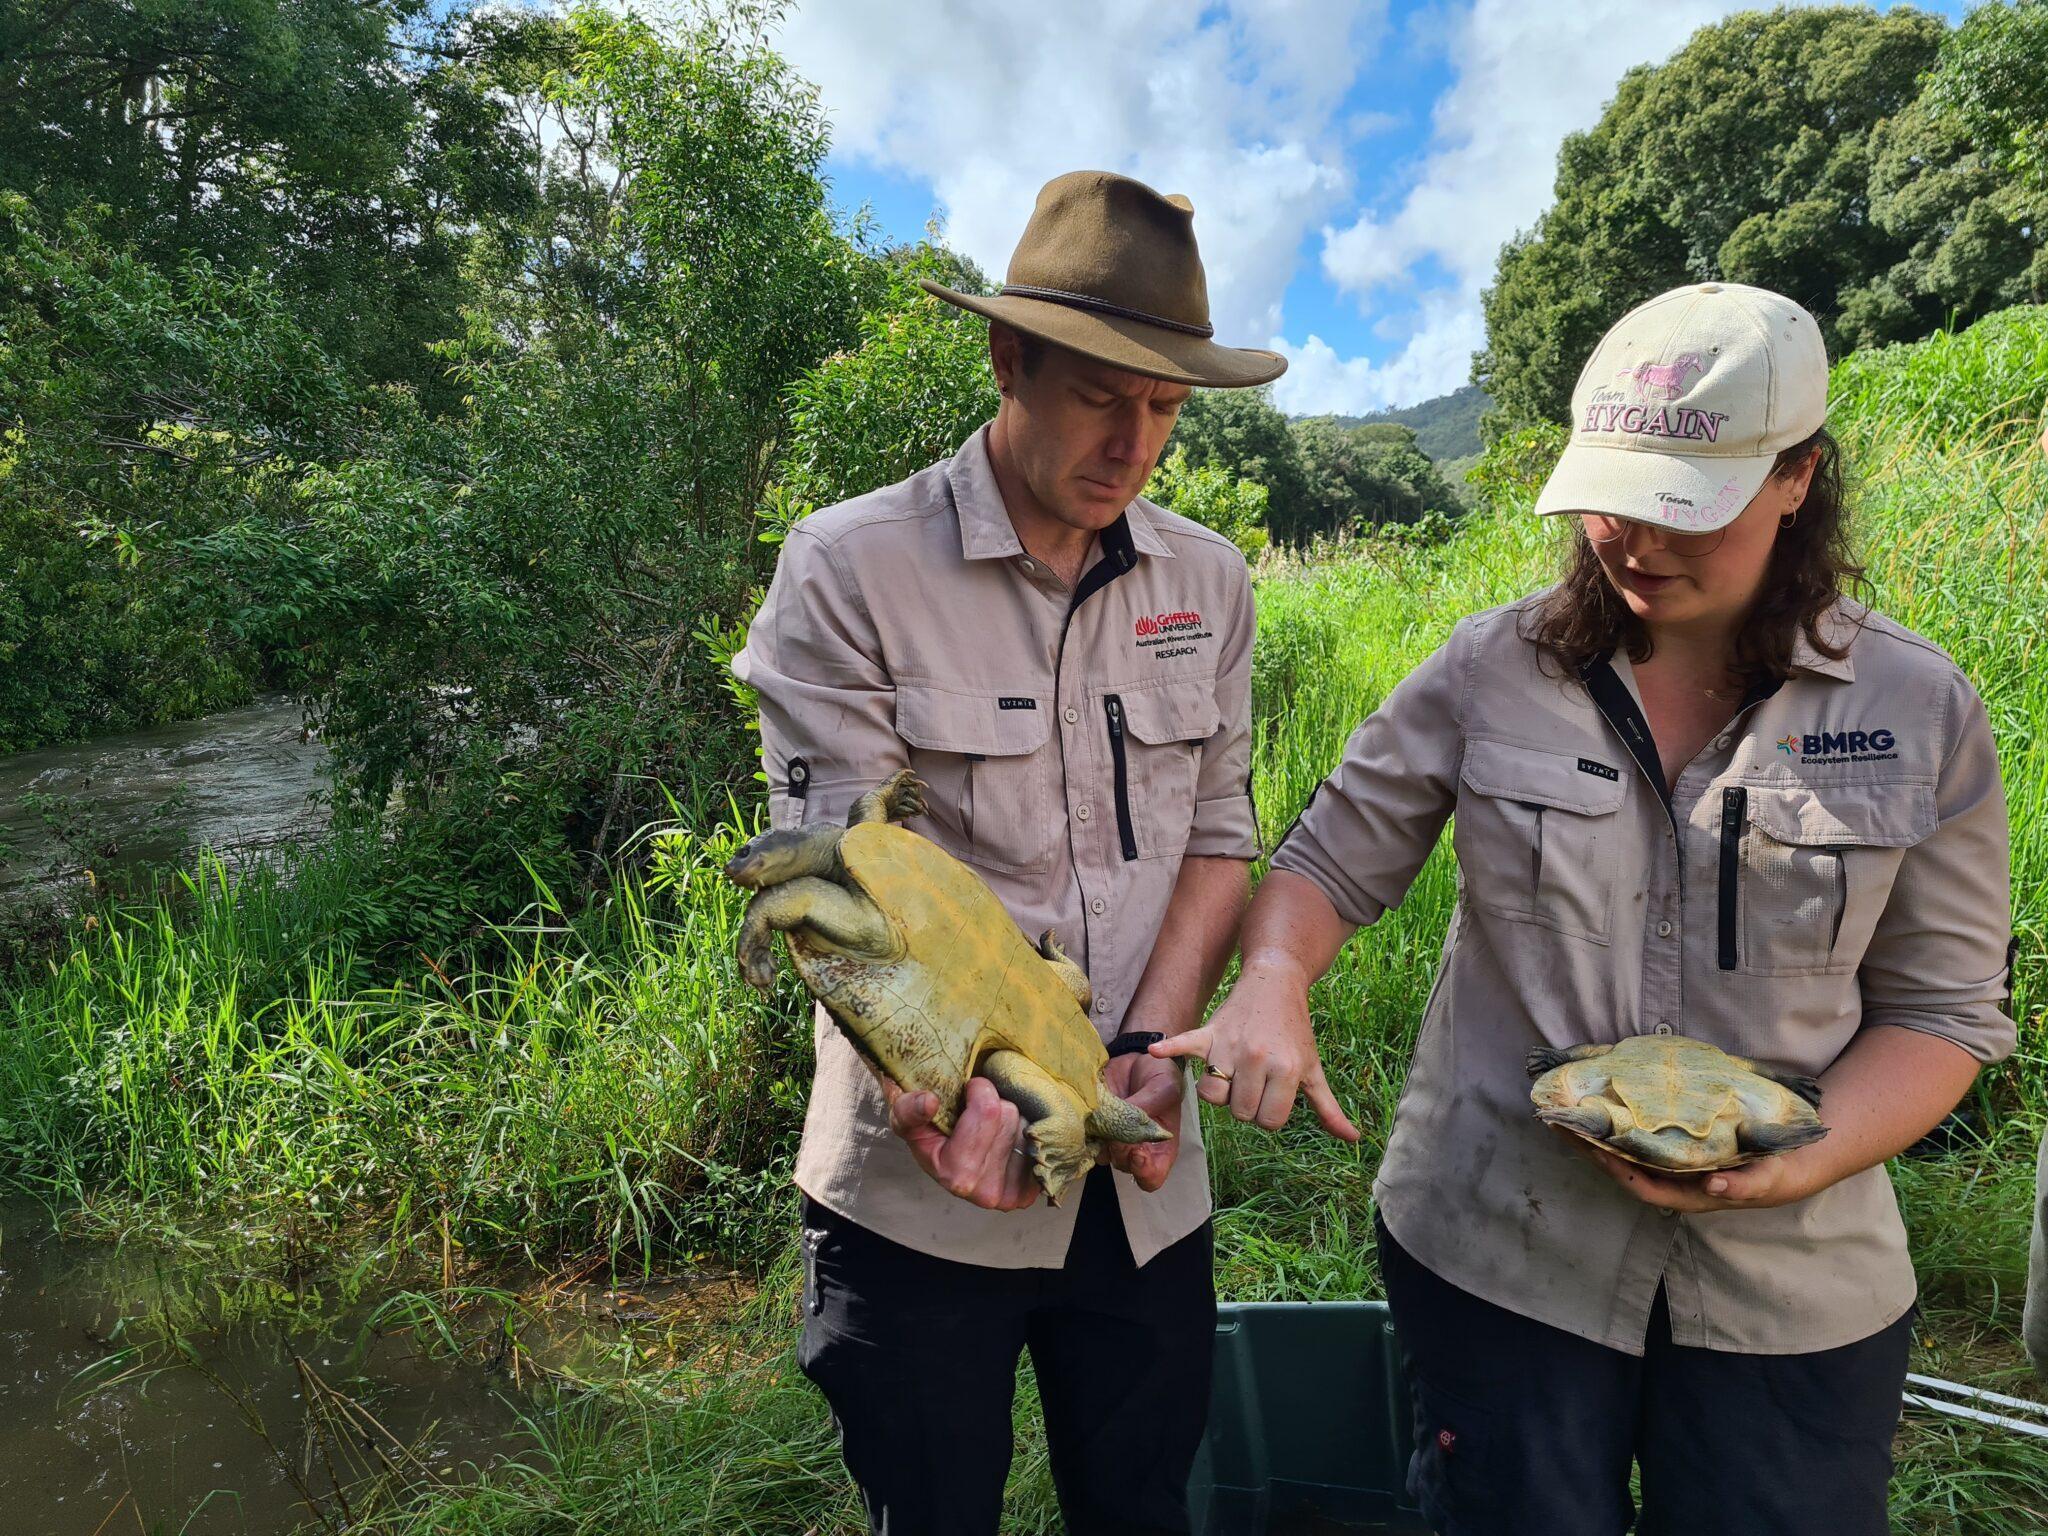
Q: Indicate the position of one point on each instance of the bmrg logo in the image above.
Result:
(1841, 746)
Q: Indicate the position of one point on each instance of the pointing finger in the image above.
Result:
(1196, 1042)
(1328, 1110)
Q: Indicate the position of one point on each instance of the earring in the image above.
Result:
(1789, 518)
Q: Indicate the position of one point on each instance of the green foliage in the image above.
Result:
(1993, 81)
(1514, 468)
(1369, 476)
(502, 614)
(1241, 433)
(140, 407)
(908, 395)
(1209, 495)
(344, 149)
(1445, 428)
(1788, 149)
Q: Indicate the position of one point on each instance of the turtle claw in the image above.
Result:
(904, 796)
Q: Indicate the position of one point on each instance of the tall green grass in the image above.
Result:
(609, 1085)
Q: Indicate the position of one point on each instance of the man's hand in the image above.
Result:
(982, 1161)
(1757, 1186)
(1157, 1088)
(1261, 1052)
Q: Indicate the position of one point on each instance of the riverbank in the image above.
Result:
(602, 1084)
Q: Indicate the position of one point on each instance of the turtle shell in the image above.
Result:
(1680, 1105)
(964, 982)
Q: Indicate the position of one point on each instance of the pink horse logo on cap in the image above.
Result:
(1663, 381)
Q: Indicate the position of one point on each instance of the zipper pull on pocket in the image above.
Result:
(1127, 839)
(1734, 813)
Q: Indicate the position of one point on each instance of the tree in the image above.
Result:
(1209, 495)
(345, 149)
(521, 615)
(1241, 433)
(1777, 149)
(909, 394)
(1359, 478)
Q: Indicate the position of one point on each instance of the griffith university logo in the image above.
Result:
(1879, 746)
(1174, 634)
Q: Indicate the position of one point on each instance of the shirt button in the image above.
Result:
(1096, 906)
(1029, 565)
(1663, 1029)
(1082, 813)
(1721, 743)
(1073, 714)
(1664, 930)
(1102, 1005)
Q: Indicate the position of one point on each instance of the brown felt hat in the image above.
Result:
(1108, 268)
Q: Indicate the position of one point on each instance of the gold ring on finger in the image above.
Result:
(1219, 1074)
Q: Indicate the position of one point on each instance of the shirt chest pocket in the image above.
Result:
(1155, 736)
(1537, 837)
(1804, 873)
(983, 758)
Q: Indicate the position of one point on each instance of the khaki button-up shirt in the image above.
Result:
(1077, 743)
(1835, 859)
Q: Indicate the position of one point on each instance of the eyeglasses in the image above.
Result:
(1609, 531)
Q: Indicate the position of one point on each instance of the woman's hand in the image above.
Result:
(1757, 1186)
(1261, 1053)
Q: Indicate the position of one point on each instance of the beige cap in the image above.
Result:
(1685, 405)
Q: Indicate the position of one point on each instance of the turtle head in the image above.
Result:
(774, 857)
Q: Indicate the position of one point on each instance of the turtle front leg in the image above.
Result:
(830, 912)
(1589, 1117)
(1543, 1058)
(897, 798)
(1055, 1123)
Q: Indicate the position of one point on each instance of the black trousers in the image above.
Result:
(917, 1357)
(1522, 1429)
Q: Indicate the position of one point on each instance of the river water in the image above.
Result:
(106, 1424)
(239, 781)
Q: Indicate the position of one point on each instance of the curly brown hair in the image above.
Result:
(1811, 567)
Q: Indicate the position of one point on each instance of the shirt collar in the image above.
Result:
(986, 532)
(1839, 626)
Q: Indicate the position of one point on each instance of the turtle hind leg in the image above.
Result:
(1808, 1088)
(1761, 1139)
(1070, 975)
(897, 798)
(1054, 1124)
(831, 912)
(1543, 1058)
(1113, 1119)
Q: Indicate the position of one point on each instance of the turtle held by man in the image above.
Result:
(917, 960)
(1674, 1104)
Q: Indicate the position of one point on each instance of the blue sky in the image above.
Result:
(1354, 164)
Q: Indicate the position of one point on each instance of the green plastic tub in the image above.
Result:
(1308, 1424)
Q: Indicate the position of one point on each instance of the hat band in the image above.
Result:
(1089, 301)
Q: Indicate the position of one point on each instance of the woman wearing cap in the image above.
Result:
(1697, 790)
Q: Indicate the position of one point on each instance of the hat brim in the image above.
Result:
(1131, 345)
(1686, 493)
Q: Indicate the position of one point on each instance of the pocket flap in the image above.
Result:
(1562, 780)
(1844, 815)
(1183, 711)
(986, 725)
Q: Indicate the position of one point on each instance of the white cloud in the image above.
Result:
(1434, 360)
(1237, 105)
(1527, 72)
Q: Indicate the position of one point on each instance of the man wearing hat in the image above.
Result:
(1067, 667)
